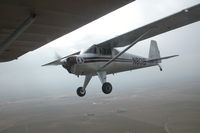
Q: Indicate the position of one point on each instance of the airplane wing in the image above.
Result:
(182, 18)
(26, 25)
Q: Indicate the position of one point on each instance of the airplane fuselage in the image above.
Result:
(92, 63)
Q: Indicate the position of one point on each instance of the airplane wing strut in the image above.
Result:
(127, 48)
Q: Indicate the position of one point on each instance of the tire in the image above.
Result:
(107, 88)
(80, 92)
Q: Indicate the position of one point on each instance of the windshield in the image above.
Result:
(91, 49)
(98, 50)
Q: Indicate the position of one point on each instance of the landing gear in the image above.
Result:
(81, 92)
(107, 88)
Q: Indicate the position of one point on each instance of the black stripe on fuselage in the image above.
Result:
(90, 61)
(105, 59)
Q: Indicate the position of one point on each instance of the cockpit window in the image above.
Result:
(98, 50)
(104, 51)
(91, 49)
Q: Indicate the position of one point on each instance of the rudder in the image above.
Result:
(154, 52)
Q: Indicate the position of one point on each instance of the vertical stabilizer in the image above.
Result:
(154, 52)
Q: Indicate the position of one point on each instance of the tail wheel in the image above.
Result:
(81, 92)
(107, 88)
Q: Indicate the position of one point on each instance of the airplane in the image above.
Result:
(103, 61)
(103, 58)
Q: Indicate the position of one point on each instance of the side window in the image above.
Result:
(109, 51)
(95, 50)
(104, 51)
(101, 51)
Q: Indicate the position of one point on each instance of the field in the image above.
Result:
(160, 109)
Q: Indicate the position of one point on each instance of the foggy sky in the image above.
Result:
(25, 77)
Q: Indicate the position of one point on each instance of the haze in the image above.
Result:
(156, 92)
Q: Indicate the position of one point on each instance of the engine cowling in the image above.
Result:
(69, 62)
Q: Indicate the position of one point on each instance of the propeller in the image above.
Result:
(57, 56)
(60, 60)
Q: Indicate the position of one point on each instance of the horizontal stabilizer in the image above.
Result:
(162, 58)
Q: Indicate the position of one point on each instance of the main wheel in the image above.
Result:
(107, 88)
(81, 92)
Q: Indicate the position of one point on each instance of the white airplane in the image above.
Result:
(103, 59)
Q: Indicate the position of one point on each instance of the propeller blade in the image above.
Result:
(57, 56)
(59, 60)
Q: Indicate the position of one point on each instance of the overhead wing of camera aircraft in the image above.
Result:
(26, 25)
(99, 59)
